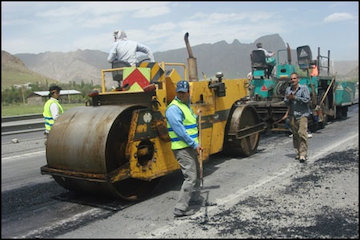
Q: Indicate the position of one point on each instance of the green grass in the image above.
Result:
(11, 77)
(24, 109)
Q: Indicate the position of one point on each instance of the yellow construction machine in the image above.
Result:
(119, 145)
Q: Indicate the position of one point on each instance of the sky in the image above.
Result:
(37, 27)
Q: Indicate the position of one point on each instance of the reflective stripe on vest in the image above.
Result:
(49, 121)
(189, 123)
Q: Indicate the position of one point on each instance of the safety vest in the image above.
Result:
(49, 121)
(189, 123)
(314, 71)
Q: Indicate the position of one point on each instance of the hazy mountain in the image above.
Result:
(233, 59)
(80, 65)
(15, 72)
(347, 70)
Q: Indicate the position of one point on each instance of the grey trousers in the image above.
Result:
(190, 189)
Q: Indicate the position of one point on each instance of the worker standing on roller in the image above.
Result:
(124, 53)
(183, 131)
(125, 50)
(269, 58)
(52, 109)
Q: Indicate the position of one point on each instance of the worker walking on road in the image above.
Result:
(297, 99)
(52, 109)
(183, 131)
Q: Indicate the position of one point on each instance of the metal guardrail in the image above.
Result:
(21, 124)
(21, 117)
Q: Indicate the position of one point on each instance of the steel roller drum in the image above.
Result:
(90, 141)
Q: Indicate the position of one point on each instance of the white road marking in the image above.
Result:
(74, 218)
(11, 158)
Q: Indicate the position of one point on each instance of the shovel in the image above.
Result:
(201, 155)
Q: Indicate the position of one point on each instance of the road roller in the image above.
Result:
(118, 144)
(330, 97)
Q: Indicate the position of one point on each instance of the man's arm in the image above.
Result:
(175, 118)
(54, 109)
(142, 48)
(286, 99)
(112, 54)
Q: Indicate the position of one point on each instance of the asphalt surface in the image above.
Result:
(295, 207)
(267, 195)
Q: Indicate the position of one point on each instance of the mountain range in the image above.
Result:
(14, 72)
(232, 59)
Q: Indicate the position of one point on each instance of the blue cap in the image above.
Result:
(182, 86)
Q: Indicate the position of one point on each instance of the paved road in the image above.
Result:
(266, 195)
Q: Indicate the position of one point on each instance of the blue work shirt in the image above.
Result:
(299, 107)
(175, 117)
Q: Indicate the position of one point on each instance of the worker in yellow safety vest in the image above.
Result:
(183, 132)
(52, 109)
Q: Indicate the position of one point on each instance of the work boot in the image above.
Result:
(303, 159)
(210, 204)
(196, 201)
(297, 154)
(182, 213)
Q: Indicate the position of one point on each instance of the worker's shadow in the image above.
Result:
(173, 181)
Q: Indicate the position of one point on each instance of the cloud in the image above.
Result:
(99, 21)
(163, 27)
(338, 17)
(151, 12)
(99, 8)
(255, 16)
(211, 28)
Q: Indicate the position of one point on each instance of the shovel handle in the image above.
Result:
(200, 155)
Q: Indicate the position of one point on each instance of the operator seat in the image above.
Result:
(118, 75)
(258, 61)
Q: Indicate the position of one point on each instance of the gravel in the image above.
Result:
(318, 200)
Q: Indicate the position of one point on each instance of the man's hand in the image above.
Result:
(199, 149)
(291, 96)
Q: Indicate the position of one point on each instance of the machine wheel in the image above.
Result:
(324, 122)
(134, 189)
(341, 112)
(129, 189)
(242, 117)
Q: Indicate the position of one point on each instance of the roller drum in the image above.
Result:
(91, 141)
(80, 136)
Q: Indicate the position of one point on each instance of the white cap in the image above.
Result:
(119, 34)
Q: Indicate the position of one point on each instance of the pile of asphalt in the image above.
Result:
(319, 201)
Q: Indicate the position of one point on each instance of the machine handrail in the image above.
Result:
(177, 64)
(319, 61)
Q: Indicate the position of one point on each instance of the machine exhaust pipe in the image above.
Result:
(192, 65)
(288, 53)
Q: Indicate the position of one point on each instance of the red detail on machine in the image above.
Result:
(263, 88)
(136, 76)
